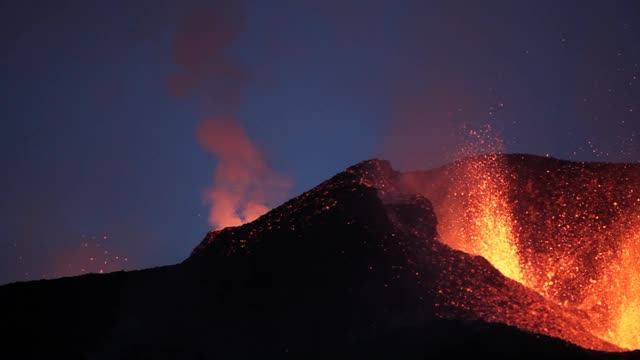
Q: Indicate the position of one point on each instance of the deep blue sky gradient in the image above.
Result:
(95, 145)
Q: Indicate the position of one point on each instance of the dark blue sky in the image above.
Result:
(100, 155)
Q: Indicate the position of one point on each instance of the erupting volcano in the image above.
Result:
(493, 255)
(567, 230)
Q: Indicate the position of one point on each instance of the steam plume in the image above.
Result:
(243, 184)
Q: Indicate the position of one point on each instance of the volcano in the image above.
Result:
(505, 256)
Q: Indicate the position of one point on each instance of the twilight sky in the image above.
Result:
(123, 120)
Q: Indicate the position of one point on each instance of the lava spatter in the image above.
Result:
(567, 230)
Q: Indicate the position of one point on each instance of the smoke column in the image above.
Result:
(243, 184)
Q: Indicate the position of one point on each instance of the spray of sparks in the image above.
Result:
(487, 228)
(569, 232)
(92, 255)
(614, 297)
(481, 194)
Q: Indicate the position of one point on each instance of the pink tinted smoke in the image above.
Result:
(243, 184)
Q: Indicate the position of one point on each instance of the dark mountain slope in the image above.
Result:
(351, 268)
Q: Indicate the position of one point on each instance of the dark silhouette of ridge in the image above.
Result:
(352, 268)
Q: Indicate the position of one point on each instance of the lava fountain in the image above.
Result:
(617, 294)
(478, 219)
(625, 329)
(569, 231)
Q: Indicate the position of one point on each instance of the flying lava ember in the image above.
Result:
(569, 231)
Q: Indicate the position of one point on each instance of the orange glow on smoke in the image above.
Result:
(243, 183)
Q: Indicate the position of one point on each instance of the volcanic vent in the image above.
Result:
(374, 263)
(570, 231)
(512, 211)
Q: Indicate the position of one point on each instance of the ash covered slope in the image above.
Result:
(351, 267)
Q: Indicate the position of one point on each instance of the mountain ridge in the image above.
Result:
(353, 266)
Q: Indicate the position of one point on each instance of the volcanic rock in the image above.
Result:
(352, 268)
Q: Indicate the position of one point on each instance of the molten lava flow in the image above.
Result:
(626, 313)
(485, 226)
(569, 231)
(478, 219)
(491, 230)
(618, 292)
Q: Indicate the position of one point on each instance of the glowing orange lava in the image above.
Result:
(569, 231)
(486, 227)
(618, 291)
(626, 311)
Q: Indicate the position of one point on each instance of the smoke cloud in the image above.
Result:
(243, 184)
(429, 128)
(201, 47)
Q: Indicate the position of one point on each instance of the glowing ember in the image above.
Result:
(486, 227)
(626, 313)
(480, 221)
(569, 231)
(90, 256)
(618, 290)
